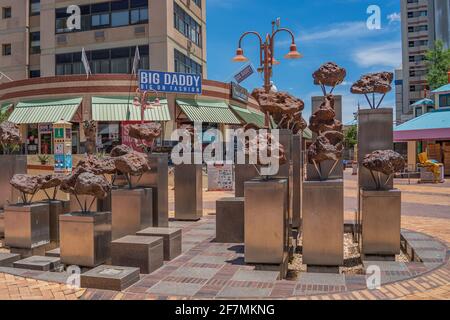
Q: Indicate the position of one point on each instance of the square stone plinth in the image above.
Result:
(106, 277)
(27, 226)
(54, 253)
(38, 263)
(230, 220)
(7, 259)
(145, 253)
(171, 240)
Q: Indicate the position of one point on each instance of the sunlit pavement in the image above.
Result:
(425, 209)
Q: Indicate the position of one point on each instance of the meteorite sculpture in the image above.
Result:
(27, 185)
(132, 164)
(83, 182)
(374, 83)
(285, 109)
(329, 142)
(387, 162)
(50, 181)
(10, 136)
(98, 166)
(90, 132)
(146, 134)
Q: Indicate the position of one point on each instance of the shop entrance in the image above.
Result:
(46, 143)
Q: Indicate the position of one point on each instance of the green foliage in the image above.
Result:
(351, 136)
(438, 63)
(43, 158)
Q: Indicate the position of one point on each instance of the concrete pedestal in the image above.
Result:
(27, 226)
(56, 208)
(381, 220)
(323, 223)
(172, 240)
(158, 180)
(7, 259)
(105, 277)
(85, 201)
(131, 211)
(266, 221)
(85, 239)
(10, 165)
(145, 253)
(38, 263)
(297, 180)
(242, 174)
(188, 192)
(230, 220)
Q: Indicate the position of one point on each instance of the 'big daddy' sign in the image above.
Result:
(170, 82)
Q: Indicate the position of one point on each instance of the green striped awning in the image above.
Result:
(250, 116)
(214, 111)
(112, 109)
(45, 111)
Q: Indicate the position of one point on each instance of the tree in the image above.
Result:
(438, 63)
(351, 136)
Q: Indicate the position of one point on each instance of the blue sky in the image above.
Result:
(326, 30)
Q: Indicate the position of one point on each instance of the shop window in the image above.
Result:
(108, 136)
(32, 143)
(35, 73)
(419, 111)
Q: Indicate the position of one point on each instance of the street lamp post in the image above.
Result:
(141, 100)
(267, 55)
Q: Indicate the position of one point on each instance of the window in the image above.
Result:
(444, 100)
(430, 109)
(198, 3)
(187, 25)
(105, 15)
(119, 18)
(116, 60)
(35, 42)
(35, 7)
(185, 64)
(6, 49)
(419, 111)
(6, 13)
(35, 73)
(412, 88)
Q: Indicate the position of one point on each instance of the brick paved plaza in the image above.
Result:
(209, 270)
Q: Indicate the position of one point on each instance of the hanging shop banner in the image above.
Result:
(239, 93)
(244, 73)
(220, 177)
(170, 82)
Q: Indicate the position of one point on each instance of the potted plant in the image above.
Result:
(85, 235)
(44, 159)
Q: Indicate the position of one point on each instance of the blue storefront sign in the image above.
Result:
(170, 82)
(244, 73)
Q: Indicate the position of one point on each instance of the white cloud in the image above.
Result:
(386, 54)
(337, 31)
(394, 17)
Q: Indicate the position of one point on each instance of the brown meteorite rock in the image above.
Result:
(89, 184)
(384, 161)
(9, 133)
(147, 132)
(25, 183)
(68, 183)
(90, 132)
(134, 163)
(265, 144)
(98, 166)
(322, 149)
(324, 118)
(48, 181)
(329, 74)
(277, 102)
(373, 83)
(121, 150)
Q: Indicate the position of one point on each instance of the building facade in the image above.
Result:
(423, 22)
(41, 38)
